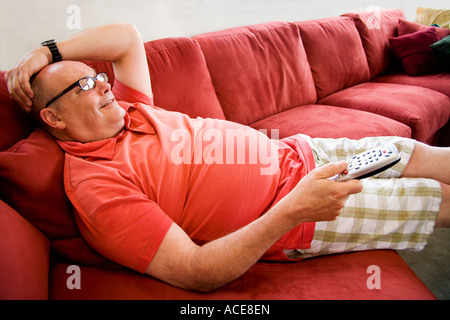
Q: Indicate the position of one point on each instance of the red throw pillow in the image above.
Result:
(31, 181)
(414, 51)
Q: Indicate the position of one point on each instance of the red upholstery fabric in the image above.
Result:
(407, 27)
(341, 276)
(426, 112)
(335, 54)
(415, 54)
(258, 70)
(25, 258)
(375, 28)
(332, 122)
(438, 82)
(14, 123)
(180, 78)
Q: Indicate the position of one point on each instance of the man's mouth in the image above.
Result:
(107, 103)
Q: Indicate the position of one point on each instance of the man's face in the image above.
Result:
(84, 115)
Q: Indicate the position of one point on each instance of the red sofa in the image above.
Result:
(333, 77)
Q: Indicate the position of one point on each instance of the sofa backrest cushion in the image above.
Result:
(376, 28)
(180, 78)
(258, 70)
(335, 54)
(14, 123)
(407, 27)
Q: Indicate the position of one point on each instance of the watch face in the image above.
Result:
(48, 42)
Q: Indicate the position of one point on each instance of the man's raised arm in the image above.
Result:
(119, 43)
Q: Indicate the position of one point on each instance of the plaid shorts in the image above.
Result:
(390, 213)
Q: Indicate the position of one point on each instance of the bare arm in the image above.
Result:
(182, 263)
(119, 43)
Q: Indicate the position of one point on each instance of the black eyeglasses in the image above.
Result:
(85, 84)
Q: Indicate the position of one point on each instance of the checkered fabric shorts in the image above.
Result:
(390, 213)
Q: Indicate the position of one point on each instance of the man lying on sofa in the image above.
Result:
(150, 193)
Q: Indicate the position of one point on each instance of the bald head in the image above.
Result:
(53, 79)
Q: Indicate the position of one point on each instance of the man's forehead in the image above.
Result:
(68, 70)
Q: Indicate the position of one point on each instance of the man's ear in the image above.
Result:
(52, 118)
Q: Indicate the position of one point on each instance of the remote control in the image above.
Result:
(369, 163)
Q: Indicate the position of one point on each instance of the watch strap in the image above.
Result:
(51, 44)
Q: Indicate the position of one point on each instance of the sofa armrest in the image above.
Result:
(24, 262)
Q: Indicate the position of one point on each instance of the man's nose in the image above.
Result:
(103, 86)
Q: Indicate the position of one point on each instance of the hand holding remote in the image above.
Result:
(369, 163)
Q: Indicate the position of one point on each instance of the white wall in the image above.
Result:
(25, 23)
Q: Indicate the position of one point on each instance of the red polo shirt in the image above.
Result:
(167, 168)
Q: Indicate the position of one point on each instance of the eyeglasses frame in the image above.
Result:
(77, 84)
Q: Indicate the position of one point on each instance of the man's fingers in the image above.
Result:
(24, 80)
(20, 89)
(353, 186)
(331, 169)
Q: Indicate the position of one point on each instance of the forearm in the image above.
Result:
(108, 43)
(182, 263)
(119, 43)
(225, 259)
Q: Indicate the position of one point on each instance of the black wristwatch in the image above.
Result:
(56, 56)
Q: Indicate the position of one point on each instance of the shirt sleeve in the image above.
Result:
(124, 93)
(118, 220)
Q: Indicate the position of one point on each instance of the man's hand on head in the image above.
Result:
(19, 76)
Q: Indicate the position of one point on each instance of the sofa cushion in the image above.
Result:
(180, 79)
(407, 27)
(415, 53)
(324, 121)
(335, 54)
(334, 277)
(425, 111)
(258, 70)
(31, 181)
(14, 122)
(24, 263)
(375, 29)
(439, 82)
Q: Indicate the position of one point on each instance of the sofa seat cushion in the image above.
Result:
(439, 82)
(425, 111)
(258, 70)
(375, 29)
(325, 121)
(342, 276)
(335, 53)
